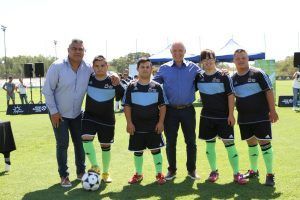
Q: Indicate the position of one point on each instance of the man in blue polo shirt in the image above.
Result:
(177, 77)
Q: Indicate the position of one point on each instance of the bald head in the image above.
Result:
(178, 51)
(177, 45)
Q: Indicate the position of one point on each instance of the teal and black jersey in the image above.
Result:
(251, 101)
(100, 96)
(144, 101)
(214, 90)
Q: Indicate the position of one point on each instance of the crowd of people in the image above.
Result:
(153, 105)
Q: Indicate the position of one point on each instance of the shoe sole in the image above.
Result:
(66, 186)
(170, 178)
(194, 178)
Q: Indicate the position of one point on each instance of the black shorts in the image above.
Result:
(141, 141)
(211, 128)
(260, 130)
(105, 133)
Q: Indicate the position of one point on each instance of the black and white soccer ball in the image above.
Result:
(90, 181)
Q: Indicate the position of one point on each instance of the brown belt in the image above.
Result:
(180, 107)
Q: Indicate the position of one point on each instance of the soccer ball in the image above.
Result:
(90, 181)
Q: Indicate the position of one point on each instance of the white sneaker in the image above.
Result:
(7, 167)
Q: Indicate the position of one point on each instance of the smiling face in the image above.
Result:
(178, 51)
(208, 60)
(241, 60)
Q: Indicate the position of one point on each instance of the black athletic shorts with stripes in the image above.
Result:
(105, 133)
(142, 141)
(211, 128)
(260, 130)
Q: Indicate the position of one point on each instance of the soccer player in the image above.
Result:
(217, 119)
(99, 116)
(256, 111)
(145, 109)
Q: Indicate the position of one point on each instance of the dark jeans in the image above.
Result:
(62, 143)
(187, 118)
(23, 97)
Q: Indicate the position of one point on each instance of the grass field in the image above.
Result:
(34, 170)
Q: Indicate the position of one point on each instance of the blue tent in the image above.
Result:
(225, 54)
(165, 56)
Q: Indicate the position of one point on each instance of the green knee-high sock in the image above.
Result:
(211, 154)
(233, 157)
(105, 158)
(267, 152)
(253, 156)
(157, 158)
(138, 162)
(90, 152)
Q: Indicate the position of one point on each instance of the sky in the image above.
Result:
(115, 28)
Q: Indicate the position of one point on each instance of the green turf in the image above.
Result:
(34, 169)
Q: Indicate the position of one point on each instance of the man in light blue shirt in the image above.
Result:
(177, 77)
(64, 89)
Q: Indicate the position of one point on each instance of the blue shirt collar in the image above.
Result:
(185, 63)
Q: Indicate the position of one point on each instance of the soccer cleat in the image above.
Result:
(270, 180)
(65, 182)
(95, 169)
(213, 176)
(7, 167)
(106, 178)
(193, 175)
(135, 179)
(160, 179)
(251, 174)
(239, 178)
(170, 175)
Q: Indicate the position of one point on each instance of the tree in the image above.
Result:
(285, 67)
(15, 65)
(122, 62)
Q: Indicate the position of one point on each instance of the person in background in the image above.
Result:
(21, 89)
(296, 90)
(9, 87)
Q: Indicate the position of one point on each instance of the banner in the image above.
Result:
(25, 109)
(268, 66)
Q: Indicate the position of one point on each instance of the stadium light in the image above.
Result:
(5, 65)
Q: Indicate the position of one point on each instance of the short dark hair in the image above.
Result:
(240, 51)
(99, 58)
(143, 60)
(207, 54)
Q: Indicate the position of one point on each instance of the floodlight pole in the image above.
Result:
(5, 65)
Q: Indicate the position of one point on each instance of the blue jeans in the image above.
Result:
(296, 92)
(62, 143)
(187, 118)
